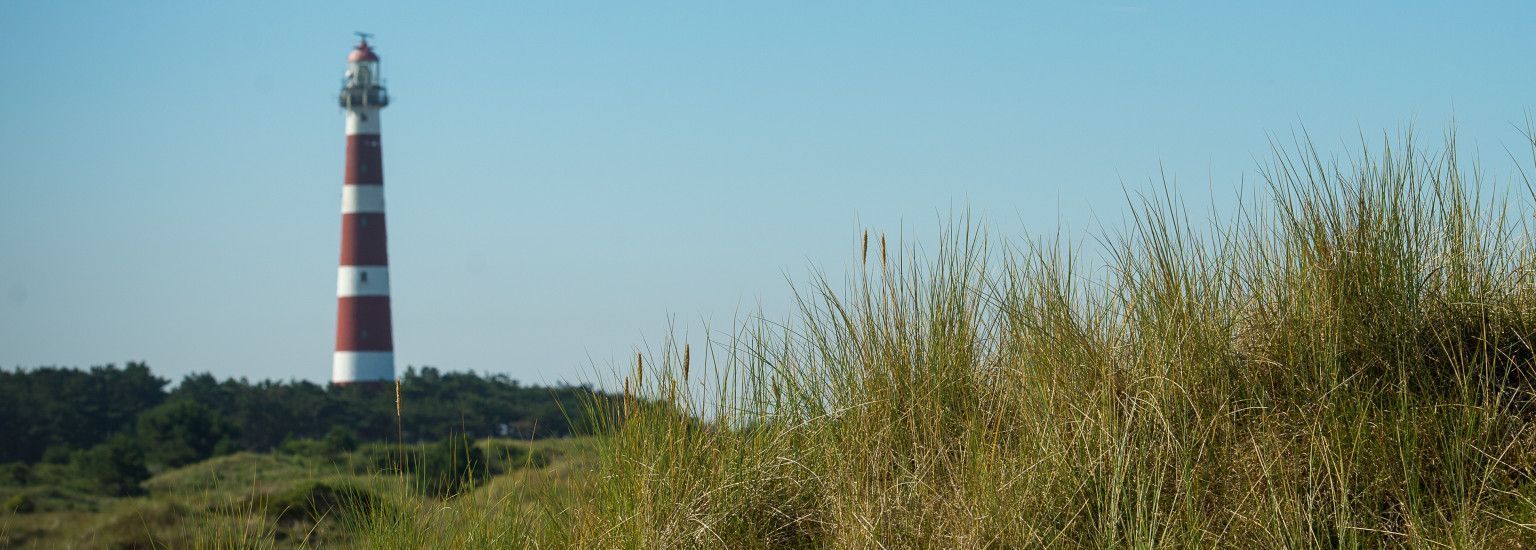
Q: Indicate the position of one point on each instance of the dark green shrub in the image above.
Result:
(341, 440)
(44, 473)
(304, 447)
(114, 468)
(15, 473)
(181, 432)
(507, 457)
(314, 500)
(447, 467)
(57, 454)
(375, 458)
(20, 503)
(537, 460)
(226, 446)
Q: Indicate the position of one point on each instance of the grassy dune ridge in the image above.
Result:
(282, 499)
(1345, 362)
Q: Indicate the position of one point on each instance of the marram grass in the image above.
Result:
(1345, 363)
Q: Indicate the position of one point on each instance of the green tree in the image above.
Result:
(181, 432)
(15, 473)
(112, 468)
(340, 440)
(70, 408)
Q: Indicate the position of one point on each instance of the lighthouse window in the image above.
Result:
(363, 221)
(363, 334)
(362, 276)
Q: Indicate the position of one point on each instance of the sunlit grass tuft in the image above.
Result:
(1347, 362)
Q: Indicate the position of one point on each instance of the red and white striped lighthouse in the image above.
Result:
(364, 344)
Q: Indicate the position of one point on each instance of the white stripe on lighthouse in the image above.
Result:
(362, 366)
(362, 120)
(362, 199)
(362, 280)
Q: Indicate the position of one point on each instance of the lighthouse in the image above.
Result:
(365, 351)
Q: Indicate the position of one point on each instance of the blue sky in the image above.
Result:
(566, 178)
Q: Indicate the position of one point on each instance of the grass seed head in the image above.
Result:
(864, 248)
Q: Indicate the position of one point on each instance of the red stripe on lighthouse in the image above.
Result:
(362, 324)
(365, 159)
(363, 241)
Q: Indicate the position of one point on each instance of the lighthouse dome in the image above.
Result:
(362, 53)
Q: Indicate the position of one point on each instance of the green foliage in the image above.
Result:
(314, 500)
(340, 440)
(52, 407)
(506, 456)
(57, 454)
(181, 432)
(113, 468)
(44, 473)
(437, 403)
(20, 503)
(48, 413)
(305, 447)
(376, 458)
(226, 445)
(447, 467)
(15, 474)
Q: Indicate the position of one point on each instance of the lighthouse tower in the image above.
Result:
(364, 345)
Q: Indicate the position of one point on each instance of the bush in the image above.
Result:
(44, 473)
(507, 457)
(375, 458)
(304, 447)
(57, 454)
(114, 468)
(314, 500)
(340, 440)
(20, 503)
(15, 473)
(181, 432)
(446, 468)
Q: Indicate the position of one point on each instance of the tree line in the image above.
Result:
(110, 415)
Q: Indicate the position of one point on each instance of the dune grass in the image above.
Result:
(1346, 362)
(283, 500)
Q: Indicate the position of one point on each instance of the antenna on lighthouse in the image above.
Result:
(364, 36)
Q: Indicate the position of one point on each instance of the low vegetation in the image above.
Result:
(279, 499)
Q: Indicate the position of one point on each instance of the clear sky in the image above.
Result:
(566, 178)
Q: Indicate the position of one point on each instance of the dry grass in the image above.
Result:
(1346, 363)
